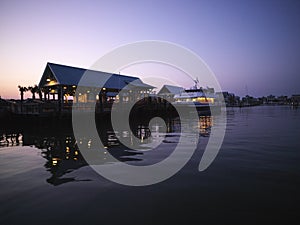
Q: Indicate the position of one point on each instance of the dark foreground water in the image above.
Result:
(255, 178)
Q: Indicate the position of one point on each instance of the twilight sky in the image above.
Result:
(249, 45)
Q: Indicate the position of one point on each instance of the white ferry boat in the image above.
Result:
(202, 100)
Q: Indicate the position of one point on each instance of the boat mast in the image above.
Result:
(196, 83)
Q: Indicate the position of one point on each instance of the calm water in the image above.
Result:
(255, 178)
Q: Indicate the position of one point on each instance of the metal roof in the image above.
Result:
(170, 89)
(67, 75)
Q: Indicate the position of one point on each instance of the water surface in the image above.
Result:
(255, 178)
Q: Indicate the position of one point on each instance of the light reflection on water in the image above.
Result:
(61, 150)
(14, 139)
(253, 180)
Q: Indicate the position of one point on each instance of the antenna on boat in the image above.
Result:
(196, 83)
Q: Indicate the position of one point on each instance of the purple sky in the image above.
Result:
(253, 44)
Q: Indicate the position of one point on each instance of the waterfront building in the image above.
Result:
(169, 91)
(229, 98)
(271, 99)
(295, 99)
(59, 83)
(283, 99)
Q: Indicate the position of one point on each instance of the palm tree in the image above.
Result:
(39, 91)
(30, 88)
(22, 90)
(33, 90)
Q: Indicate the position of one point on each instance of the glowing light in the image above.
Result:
(52, 82)
(89, 143)
(76, 152)
(103, 89)
(48, 80)
(74, 86)
(55, 161)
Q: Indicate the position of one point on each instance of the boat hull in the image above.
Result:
(202, 109)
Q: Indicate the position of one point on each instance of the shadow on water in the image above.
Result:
(62, 151)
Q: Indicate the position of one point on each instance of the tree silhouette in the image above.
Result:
(22, 90)
(33, 90)
(39, 91)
